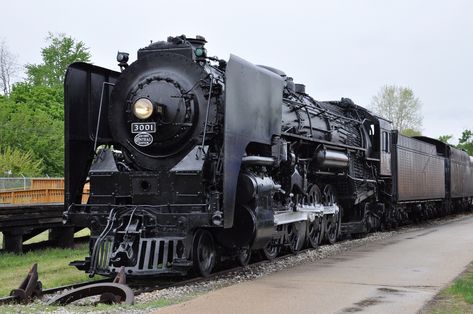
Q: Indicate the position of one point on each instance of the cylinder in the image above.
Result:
(327, 158)
(250, 185)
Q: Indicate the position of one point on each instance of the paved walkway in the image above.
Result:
(397, 275)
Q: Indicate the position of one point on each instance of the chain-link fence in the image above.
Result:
(15, 184)
(24, 183)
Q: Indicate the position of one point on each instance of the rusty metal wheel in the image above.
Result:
(118, 292)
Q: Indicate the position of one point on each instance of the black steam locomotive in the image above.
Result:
(192, 159)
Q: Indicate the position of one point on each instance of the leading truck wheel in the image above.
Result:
(271, 250)
(204, 253)
(244, 256)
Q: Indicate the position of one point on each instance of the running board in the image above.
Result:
(304, 213)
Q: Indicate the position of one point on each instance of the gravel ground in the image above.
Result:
(146, 302)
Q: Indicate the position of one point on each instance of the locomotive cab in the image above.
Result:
(385, 143)
(380, 137)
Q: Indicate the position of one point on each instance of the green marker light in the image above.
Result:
(199, 52)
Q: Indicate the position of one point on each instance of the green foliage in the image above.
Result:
(445, 138)
(400, 106)
(466, 142)
(47, 99)
(29, 128)
(411, 132)
(62, 51)
(33, 114)
(15, 163)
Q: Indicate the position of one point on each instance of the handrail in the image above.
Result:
(38, 195)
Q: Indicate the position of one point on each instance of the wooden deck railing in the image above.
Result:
(47, 183)
(43, 190)
(32, 196)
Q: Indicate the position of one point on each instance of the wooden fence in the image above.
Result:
(42, 190)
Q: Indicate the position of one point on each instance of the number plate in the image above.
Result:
(148, 127)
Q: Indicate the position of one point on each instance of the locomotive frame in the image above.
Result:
(234, 158)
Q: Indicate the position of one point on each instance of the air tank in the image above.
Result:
(329, 158)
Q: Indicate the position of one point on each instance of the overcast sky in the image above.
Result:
(336, 48)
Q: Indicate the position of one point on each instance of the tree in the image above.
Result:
(16, 163)
(32, 115)
(399, 105)
(26, 127)
(466, 142)
(445, 138)
(8, 68)
(62, 51)
(47, 99)
(411, 132)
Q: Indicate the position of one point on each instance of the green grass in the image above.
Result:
(456, 298)
(53, 268)
(463, 287)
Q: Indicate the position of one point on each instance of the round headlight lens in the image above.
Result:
(143, 108)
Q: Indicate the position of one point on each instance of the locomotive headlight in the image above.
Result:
(143, 108)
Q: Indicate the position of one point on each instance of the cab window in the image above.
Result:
(386, 143)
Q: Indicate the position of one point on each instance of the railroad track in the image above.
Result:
(139, 287)
(12, 299)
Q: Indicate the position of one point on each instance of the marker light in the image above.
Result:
(200, 52)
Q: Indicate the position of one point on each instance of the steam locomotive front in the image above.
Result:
(157, 107)
(153, 179)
